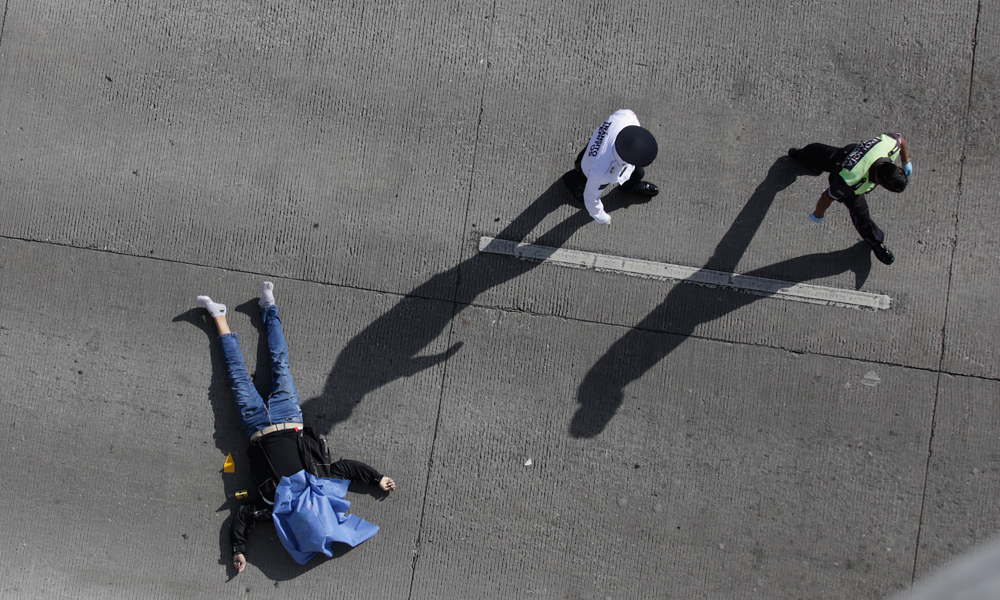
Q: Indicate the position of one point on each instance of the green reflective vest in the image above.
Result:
(855, 167)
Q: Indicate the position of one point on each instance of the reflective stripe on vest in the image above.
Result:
(855, 168)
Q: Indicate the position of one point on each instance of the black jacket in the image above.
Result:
(284, 453)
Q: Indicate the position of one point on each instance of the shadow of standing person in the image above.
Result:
(687, 306)
(389, 348)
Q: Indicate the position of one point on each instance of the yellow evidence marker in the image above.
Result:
(230, 465)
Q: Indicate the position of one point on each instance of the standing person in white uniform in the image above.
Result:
(616, 153)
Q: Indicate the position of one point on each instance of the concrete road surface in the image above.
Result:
(555, 432)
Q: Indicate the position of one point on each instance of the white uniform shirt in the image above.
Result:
(602, 165)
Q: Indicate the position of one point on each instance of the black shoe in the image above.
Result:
(644, 188)
(883, 254)
(796, 155)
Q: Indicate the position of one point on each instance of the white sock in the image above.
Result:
(214, 308)
(266, 294)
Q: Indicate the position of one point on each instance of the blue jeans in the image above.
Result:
(282, 404)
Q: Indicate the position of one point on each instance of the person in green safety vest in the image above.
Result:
(854, 171)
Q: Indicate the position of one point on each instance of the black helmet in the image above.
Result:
(636, 146)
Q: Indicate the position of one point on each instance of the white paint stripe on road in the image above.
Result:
(775, 288)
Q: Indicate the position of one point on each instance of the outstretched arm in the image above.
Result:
(355, 470)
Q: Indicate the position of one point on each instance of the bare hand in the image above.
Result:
(387, 484)
(240, 562)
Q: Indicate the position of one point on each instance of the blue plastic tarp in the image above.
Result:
(310, 514)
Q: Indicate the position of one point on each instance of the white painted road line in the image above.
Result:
(774, 288)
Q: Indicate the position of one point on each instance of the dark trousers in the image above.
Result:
(576, 181)
(828, 159)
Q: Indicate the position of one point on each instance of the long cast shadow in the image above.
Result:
(687, 306)
(389, 348)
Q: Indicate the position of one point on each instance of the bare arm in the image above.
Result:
(822, 204)
(904, 151)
